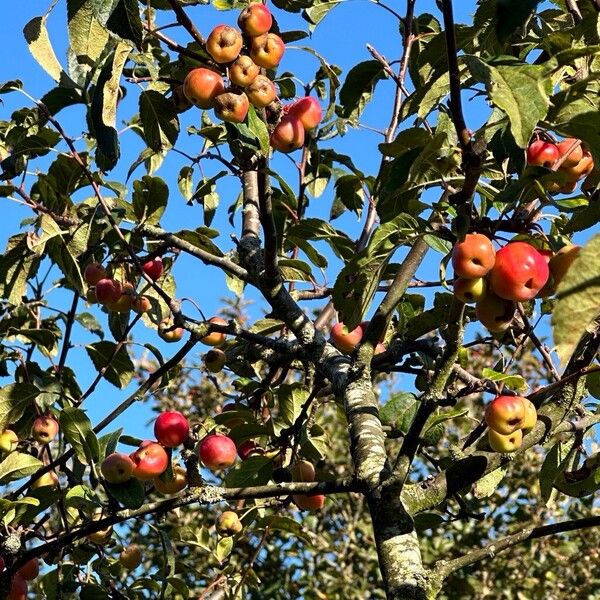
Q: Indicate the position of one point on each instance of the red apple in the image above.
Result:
(519, 273)
(249, 448)
(574, 156)
(108, 290)
(93, 273)
(153, 268)
(267, 50)
(215, 338)
(44, 429)
(243, 71)
(202, 86)
(307, 110)
(261, 91)
(473, 257)
(171, 486)
(30, 570)
(171, 428)
(150, 461)
(288, 135)
(232, 107)
(217, 451)
(255, 19)
(309, 502)
(303, 471)
(344, 340)
(505, 414)
(224, 44)
(542, 153)
(117, 468)
(18, 588)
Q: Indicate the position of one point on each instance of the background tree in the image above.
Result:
(407, 498)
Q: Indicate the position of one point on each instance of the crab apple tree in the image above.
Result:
(283, 315)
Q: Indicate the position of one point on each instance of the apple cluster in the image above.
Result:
(508, 418)
(243, 57)
(496, 280)
(576, 162)
(18, 585)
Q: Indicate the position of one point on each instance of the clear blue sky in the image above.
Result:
(341, 38)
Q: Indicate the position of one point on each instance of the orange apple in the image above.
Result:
(267, 50)
(303, 471)
(141, 304)
(131, 557)
(224, 43)
(117, 468)
(344, 340)
(255, 19)
(215, 360)
(288, 135)
(215, 338)
(309, 502)
(168, 332)
(261, 91)
(505, 414)
(473, 257)
(574, 156)
(530, 415)
(174, 485)
(202, 86)
(232, 107)
(243, 71)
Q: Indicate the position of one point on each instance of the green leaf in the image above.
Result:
(77, 429)
(516, 382)
(159, 120)
(316, 229)
(15, 400)
(150, 197)
(18, 465)
(577, 300)
(316, 13)
(487, 485)
(399, 410)
(359, 86)
(255, 470)
(556, 462)
(125, 22)
(185, 182)
(17, 265)
(89, 321)
(290, 398)
(521, 91)
(118, 370)
(81, 497)
(36, 34)
(130, 494)
(258, 127)
(413, 137)
(224, 548)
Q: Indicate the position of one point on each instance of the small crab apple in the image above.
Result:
(574, 156)
(232, 107)
(108, 290)
(561, 262)
(125, 301)
(168, 332)
(18, 588)
(255, 19)
(217, 451)
(303, 470)
(510, 442)
(153, 268)
(141, 304)
(171, 428)
(215, 360)
(44, 429)
(229, 523)
(101, 536)
(249, 448)
(93, 273)
(309, 502)
(495, 313)
(131, 557)
(344, 340)
(307, 110)
(261, 92)
(470, 290)
(201, 86)
(582, 169)
(8, 441)
(117, 468)
(49, 479)
(215, 338)
(174, 485)
(542, 154)
(519, 272)
(267, 50)
(224, 43)
(505, 414)
(150, 460)
(243, 71)
(473, 257)
(530, 415)
(288, 134)
(30, 570)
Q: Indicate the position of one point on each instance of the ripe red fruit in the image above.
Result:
(255, 19)
(44, 429)
(307, 110)
(495, 313)
(232, 107)
(108, 290)
(18, 588)
(303, 471)
(267, 50)
(519, 272)
(171, 428)
(168, 332)
(30, 570)
(202, 86)
(141, 304)
(243, 71)
(215, 338)
(574, 156)
(153, 268)
(505, 414)
(344, 340)
(288, 135)
(117, 468)
(93, 273)
(150, 460)
(224, 43)
(542, 153)
(174, 485)
(312, 502)
(473, 257)
(261, 91)
(217, 451)
(248, 448)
